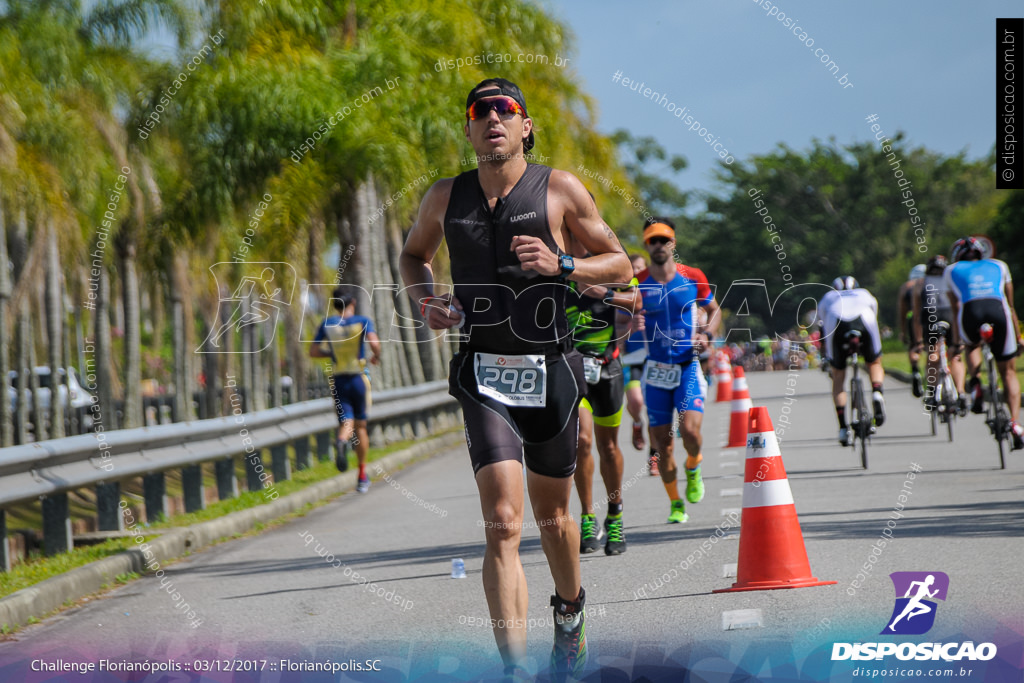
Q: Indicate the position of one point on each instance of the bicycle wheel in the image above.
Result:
(1003, 427)
(935, 420)
(948, 393)
(862, 421)
(1000, 422)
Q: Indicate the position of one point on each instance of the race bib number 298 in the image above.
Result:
(513, 380)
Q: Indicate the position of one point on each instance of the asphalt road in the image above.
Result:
(272, 596)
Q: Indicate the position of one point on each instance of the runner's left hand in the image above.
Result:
(534, 255)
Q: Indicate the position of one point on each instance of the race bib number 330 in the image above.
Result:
(662, 375)
(513, 380)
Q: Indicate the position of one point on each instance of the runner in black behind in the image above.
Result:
(508, 226)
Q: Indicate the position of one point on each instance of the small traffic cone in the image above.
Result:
(723, 378)
(740, 407)
(772, 552)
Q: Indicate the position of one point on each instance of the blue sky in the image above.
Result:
(927, 69)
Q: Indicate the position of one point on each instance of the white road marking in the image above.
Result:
(738, 619)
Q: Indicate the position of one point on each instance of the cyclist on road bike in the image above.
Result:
(907, 316)
(851, 307)
(931, 306)
(981, 291)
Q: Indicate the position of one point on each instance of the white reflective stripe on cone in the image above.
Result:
(742, 404)
(767, 493)
(762, 445)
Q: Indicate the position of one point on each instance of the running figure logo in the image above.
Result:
(263, 290)
(914, 613)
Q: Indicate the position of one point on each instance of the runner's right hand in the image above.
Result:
(637, 322)
(440, 315)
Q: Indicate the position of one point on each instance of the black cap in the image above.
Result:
(342, 297)
(502, 86)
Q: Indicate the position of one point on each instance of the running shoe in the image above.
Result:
(878, 403)
(615, 540)
(363, 485)
(917, 388)
(590, 541)
(844, 436)
(341, 455)
(569, 653)
(678, 514)
(694, 485)
(638, 436)
(978, 396)
(1017, 435)
(652, 465)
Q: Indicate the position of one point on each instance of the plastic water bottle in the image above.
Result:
(462, 322)
(458, 568)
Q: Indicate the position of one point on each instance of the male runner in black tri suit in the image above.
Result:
(510, 228)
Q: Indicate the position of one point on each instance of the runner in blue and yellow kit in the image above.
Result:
(339, 340)
(672, 378)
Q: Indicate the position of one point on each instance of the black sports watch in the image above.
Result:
(567, 264)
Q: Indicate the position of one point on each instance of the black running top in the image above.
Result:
(508, 310)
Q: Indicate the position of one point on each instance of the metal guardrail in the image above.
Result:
(50, 469)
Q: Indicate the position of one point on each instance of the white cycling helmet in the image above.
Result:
(845, 282)
(917, 272)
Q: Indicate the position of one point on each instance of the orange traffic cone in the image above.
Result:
(772, 552)
(723, 378)
(740, 407)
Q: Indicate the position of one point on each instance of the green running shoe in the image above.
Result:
(615, 540)
(678, 515)
(569, 653)
(694, 485)
(589, 538)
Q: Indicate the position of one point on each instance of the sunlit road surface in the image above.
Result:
(272, 595)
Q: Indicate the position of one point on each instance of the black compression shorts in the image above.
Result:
(605, 398)
(869, 343)
(546, 436)
(974, 314)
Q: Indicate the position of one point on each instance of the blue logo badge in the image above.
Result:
(916, 593)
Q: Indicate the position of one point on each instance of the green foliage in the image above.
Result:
(1007, 232)
(836, 211)
(32, 572)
